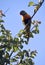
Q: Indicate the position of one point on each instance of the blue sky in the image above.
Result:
(13, 22)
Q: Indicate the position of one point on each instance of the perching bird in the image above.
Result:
(26, 19)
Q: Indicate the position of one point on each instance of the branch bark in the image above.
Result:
(38, 9)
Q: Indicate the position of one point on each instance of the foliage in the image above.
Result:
(10, 45)
(31, 4)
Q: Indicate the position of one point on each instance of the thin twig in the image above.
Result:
(6, 10)
(33, 27)
(11, 54)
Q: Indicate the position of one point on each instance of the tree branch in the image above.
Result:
(38, 9)
(34, 13)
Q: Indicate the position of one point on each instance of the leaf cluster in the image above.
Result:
(10, 45)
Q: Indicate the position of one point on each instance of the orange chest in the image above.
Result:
(25, 17)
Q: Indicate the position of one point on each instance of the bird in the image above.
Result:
(26, 19)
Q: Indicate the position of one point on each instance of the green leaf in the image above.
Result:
(19, 34)
(1, 21)
(13, 60)
(2, 27)
(31, 3)
(22, 56)
(21, 31)
(15, 48)
(39, 22)
(9, 48)
(27, 54)
(34, 31)
(16, 39)
(33, 54)
(37, 31)
(26, 42)
(7, 55)
(21, 46)
(31, 35)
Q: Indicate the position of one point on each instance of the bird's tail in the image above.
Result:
(28, 32)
